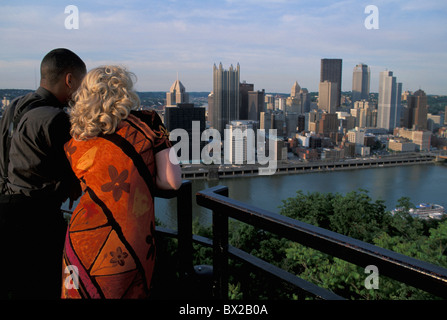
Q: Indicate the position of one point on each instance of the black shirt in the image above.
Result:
(38, 167)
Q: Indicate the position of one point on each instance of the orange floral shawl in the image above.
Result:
(109, 249)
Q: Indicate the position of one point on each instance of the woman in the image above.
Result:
(120, 156)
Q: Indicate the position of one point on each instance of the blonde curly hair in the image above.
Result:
(104, 98)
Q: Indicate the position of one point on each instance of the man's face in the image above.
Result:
(75, 82)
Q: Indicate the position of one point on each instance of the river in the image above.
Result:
(419, 182)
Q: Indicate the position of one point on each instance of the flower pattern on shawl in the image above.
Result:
(118, 256)
(117, 184)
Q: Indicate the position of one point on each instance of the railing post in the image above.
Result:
(220, 253)
(184, 227)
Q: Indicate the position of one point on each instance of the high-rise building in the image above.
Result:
(417, 110)
(295, 89)
(363, 113)
(182, 117)
(278, 122)
(280, 103)
(244, 88)
(299, 100)
(301, 123)
(293, 103)
(226, 97)
(256, 103)
(360, 82)
(331, 71)
(270, 102)
(313, 120)
(328, 124)
(389, 105)
(434, 121)
(177, 94)
(239, 144)
(265, 120)
(327, 96)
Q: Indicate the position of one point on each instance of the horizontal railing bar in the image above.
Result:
(273, 270)
(165, 231)
(202, 240)
(420, 274)
(293, 279)
(168, 194)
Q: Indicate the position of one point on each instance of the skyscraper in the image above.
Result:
(226, 99)
(256, 103)
(295, 90)
(417, 109)
(239, 145)
(244, 89)
(389, 106)
(182, 116)
(363, 113)
(299, 100)
(328, 124)
(331, 70)
(177, 94)
(360, 82)
(327, 96)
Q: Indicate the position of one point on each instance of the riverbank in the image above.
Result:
(216, 172)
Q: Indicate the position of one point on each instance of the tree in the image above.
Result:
(356, 215)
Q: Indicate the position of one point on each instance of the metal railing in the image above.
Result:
(420, 274)
(184, 226)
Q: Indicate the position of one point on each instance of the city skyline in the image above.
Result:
(276, 42)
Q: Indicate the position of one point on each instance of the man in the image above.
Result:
(35, 179)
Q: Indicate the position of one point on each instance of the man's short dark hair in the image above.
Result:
(59, 62)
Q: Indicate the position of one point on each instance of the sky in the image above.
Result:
(276, 42)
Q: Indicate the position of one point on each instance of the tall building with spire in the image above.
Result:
(226, 96)
(299, 100)
(295, 89)
(177, 94)
(180, 114)
(389, 104)
(360, 82)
